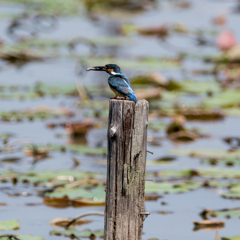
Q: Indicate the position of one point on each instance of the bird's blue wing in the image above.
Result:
(123, 86)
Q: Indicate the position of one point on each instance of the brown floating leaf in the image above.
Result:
(202, 115)
(183, 136)
(79, 128)
(176, 125)
(208, 224)
(149, 93)
(43, 153)
(205, 212)
(65, 202)
(220, 20)
(152, 197)
(147, 79)
(164, 212)
(3, 204)
(10, 159)
(182, 4)
(160, 31)
(59, 222)
(177, 132)
(19, 58)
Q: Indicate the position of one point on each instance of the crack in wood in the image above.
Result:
(137, 155)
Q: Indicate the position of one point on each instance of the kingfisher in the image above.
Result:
(117, 81)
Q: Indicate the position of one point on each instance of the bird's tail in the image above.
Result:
(132, 97)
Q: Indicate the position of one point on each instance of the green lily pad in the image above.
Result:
(213, 183)
(201, 153)
(48, 177)
(226, 213)
(157, 126)
(96, 194)
(53, 7)
(145, 63)
(234, 192)
(80, 234)
(9, 225)
(78, 149)
(168, 187)
(225, 161)
(211, 172)
(186, 173)
(199, 87)
(24, 237)
(163, 160)
(232, 112)
(231, 238)
(226, 99)
(44, 113)
(214, 172)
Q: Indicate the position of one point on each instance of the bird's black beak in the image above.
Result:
(97, 69)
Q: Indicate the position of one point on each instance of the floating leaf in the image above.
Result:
(211, 172)
(79, 234)
(201, 114)
(96, 194)
(9, 225)
(186, 173)
(168, 187)
(200, 87)
(38, 113)
(225, 161)
(225, 213)
(234, 192)
(77, 148)
(208, 224)
(231, 238)
(163, 160)
(59, 222)
(149, 93)
(50, 178)
(228, 98)
(144, 63)
(200, 153)
(65, 202)
(214, 172)
(23, 237)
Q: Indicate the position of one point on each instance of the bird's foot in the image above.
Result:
(114, 97)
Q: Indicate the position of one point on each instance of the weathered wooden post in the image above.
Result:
(126, 164)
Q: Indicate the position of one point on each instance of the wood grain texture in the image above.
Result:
(125, 187)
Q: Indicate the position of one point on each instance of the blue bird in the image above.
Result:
(117, 81)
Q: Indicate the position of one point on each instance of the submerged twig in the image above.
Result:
(84, 215)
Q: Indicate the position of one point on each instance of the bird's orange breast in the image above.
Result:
(117, 93)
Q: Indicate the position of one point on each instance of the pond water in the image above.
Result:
(60, 69)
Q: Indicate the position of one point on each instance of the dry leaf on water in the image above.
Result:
(208, 225)
(59, 222)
